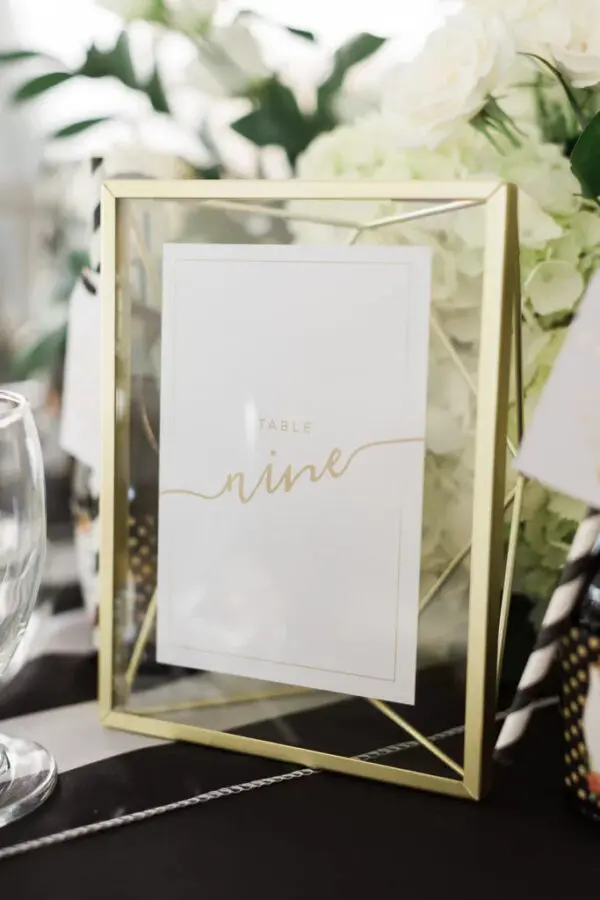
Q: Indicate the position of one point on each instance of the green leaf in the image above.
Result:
(156, 92)
(585, 158)
(301, 33)
(349, 54)
(258, 127)
(209, 173)
(298, 32)
(574, 103)
(41, 357)
(76, 261)
(40, 85)
(156, 11)
(17, 55)
(78, 127)
(116, 62)
(276, 119)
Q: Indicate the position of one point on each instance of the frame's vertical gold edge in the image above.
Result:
(518, 361)
(107, 493)
(122, 445)
(489, 486)
(519, 387)
(509, 573)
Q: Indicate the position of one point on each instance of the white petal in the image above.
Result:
(586, 227)
(554, 286)
(536, 227)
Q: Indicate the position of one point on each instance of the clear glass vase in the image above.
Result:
(27, 771)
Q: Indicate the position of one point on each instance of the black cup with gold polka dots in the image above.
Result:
(580, 704)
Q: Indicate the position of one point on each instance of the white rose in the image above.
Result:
(577, 49)
(449, 82)
(533, 22)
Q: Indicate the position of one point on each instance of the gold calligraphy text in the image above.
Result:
(334, 468)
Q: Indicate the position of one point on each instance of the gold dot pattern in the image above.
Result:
(142, 561)
(578, 652)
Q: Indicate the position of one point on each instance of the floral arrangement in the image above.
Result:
(506, 89)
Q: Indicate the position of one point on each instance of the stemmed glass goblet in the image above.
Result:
(27, 771)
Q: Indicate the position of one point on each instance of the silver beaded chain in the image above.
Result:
(70, 834)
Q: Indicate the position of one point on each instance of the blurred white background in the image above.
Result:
(66, 29)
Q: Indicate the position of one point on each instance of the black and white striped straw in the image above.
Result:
(90, 276)
(97, 178)
(578, 568)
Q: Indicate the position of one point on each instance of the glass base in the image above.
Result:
(27, 777)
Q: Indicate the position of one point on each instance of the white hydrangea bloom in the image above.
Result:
(451, 414)
(560, 248)
(544, 173)
(554, 285)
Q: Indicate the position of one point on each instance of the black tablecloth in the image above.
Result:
(322, 836)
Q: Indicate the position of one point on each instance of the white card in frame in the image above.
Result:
(293, 403)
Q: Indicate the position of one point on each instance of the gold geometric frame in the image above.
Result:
(491, 571)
